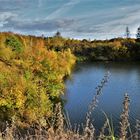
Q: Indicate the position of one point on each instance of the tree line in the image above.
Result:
(116, 49)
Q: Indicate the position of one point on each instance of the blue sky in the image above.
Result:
(94, 19)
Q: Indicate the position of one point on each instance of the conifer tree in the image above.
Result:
(138, 33)
(127, 32)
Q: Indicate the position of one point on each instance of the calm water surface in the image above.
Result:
(80, 89)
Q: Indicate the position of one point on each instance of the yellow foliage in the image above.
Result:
(31, 80)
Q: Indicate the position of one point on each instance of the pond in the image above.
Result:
(80, 89)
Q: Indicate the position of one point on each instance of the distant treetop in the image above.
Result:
(127, 32)
(138, 33)
(57, 34)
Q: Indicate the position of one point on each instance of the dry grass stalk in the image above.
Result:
(102, 133)
(90, 131)
(124, 122)
(137, 134)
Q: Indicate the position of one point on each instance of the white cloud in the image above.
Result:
(6, 15)
(63, 9)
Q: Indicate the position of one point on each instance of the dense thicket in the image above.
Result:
(31, 78)
(118, 49)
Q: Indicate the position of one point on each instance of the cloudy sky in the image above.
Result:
(95, 19)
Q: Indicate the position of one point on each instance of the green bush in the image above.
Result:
(14, 43)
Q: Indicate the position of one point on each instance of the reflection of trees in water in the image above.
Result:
(116, 67)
